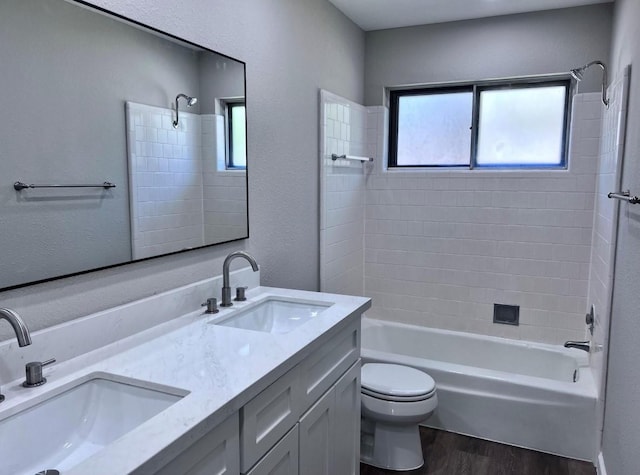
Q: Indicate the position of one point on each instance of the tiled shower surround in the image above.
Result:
(180, 195)
(344, 131)
(441, 247)
(224, 191)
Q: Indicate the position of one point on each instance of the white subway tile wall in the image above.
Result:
(605, 222)
(165, 180)
(179, 198)
(343, 130)
(441, 247)
(225, 191)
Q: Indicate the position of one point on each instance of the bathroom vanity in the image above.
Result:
(268, 386)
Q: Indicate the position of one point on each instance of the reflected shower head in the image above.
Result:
(190, 102)
(578, 75)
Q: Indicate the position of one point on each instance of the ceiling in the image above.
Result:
(382, 14)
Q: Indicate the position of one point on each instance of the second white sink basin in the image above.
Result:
(69, 427)
(275, 315)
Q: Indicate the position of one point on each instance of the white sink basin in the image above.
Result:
(275, 315)
(69, 427)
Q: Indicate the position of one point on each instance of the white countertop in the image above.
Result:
(221, 368)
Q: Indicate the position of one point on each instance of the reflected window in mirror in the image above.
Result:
(237, 133)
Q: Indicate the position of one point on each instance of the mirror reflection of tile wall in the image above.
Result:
(165, 181)
(179, 197)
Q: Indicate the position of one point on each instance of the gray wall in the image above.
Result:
(516, 45)
(219, 77)
(621, 437)
(292, 48)
(66, 73)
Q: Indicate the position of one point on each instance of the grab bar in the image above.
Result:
(334, 157)
(19, 186)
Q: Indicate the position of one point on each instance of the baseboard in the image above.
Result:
(600, 468)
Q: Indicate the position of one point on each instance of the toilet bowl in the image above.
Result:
(395, 399)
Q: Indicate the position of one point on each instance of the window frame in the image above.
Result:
(475, 88)
(394, 101)
(229, 105)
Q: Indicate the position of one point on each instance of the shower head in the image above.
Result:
(190, 102)
(578, 75)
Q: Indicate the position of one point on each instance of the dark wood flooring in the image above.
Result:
(453, 454)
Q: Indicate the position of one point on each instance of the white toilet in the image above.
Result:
(395, 399)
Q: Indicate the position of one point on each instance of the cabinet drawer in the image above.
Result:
(216, 452)
(322, 368)
(282, 459)
(268, 417)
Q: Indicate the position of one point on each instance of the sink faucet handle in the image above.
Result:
(212, 305)
(33, 372)
(240, 294)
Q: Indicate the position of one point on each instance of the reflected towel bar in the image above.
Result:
(19, 186)
(625, 196)
(334, 157)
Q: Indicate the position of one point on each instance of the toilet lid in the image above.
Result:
(396, 380)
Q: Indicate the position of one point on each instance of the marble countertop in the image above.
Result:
(220, 367)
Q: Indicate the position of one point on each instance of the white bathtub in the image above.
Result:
(509, 391)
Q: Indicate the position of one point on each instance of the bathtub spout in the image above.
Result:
(581, 345)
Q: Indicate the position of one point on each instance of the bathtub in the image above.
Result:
(537, 396)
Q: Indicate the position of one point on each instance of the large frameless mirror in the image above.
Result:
(117, 142)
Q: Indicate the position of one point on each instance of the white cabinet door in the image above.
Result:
(346, 427)
(330, 430)
(216, 453)
(282, 459)
(316, 444)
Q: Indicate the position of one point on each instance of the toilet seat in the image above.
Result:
(387, 397)
(392, 382)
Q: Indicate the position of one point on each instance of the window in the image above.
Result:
(237, 136)
(498, 124)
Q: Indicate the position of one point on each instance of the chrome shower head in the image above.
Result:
(190, 102)
(578, 75)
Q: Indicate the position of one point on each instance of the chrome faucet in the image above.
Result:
(22, 332)
(226, 290)
(19, 327)
(580, 345)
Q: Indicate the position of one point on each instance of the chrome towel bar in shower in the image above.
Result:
(334, 157)
(19, 186)
(625, 196)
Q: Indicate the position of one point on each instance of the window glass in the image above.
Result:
(237, 136)
(434, 129)
(517, 123)
(523, 126)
